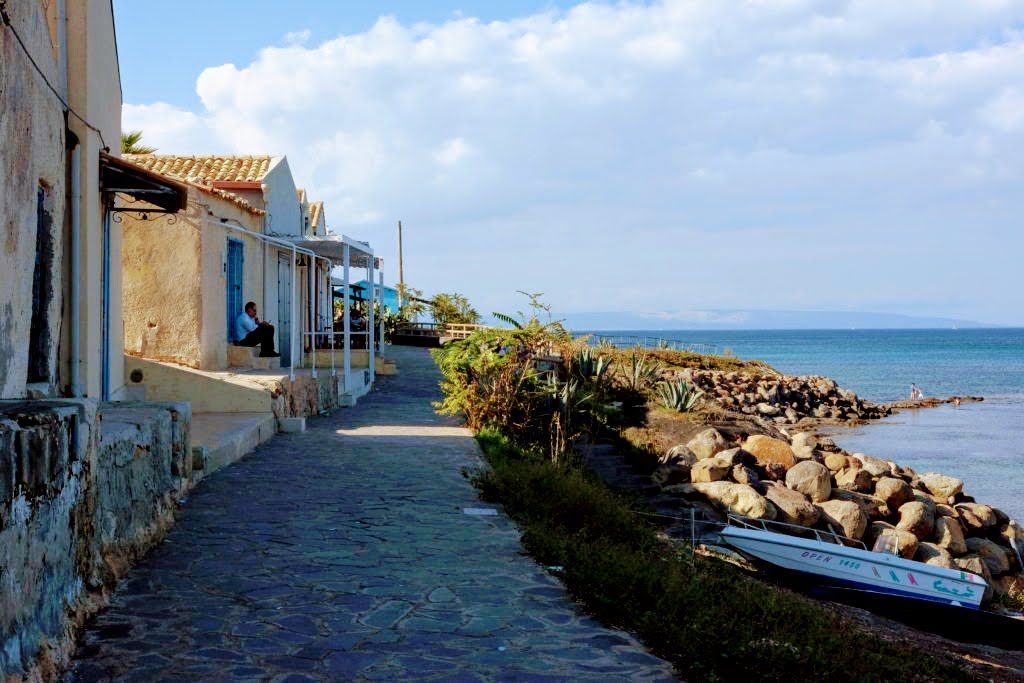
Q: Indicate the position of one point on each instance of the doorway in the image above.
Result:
(234, 267)
(284, 308)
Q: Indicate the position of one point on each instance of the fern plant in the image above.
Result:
(508, 320)
(679, 396)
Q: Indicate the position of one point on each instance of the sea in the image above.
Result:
(981, 443)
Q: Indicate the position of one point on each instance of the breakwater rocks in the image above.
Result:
(781, 399)
(804, 480)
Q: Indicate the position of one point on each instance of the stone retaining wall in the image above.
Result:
(85, 489)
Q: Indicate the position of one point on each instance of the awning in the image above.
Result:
(333, 248)
(146, 187)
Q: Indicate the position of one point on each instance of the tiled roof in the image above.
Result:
(208, 169)
(145, 161)
(302, 194)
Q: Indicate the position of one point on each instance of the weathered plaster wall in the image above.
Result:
(162, 296)
(175, 286)
(84, 490)
(284, 213)
(95, 93)
(31, 153)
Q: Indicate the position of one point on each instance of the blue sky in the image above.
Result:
(666, 158)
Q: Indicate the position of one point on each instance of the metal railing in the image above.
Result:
(794, 530)
(630, 341)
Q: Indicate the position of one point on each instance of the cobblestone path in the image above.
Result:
(344, 554)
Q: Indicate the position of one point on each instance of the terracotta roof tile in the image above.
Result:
(205, 168)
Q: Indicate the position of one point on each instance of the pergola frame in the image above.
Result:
(351, 253)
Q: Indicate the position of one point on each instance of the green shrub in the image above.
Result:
(678, 395)
(708, 619)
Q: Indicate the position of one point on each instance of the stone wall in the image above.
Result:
(85, 489)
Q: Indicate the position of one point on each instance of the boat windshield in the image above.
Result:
(886, 543)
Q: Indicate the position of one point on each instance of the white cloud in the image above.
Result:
(452, 152)
(843, 121)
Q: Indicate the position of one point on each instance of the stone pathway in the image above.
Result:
(344, 553)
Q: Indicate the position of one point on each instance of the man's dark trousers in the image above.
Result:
(262, 335)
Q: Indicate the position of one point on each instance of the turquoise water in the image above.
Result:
(982, 443)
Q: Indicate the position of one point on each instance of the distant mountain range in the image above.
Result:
(724, 319)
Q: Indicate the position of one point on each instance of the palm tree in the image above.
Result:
(130, 143)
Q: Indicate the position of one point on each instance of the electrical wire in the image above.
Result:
(6, 20)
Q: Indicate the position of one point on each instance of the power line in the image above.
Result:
(7, 22)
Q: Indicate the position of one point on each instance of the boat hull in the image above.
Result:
(859, 571)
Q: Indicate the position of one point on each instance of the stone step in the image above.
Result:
(219, 439)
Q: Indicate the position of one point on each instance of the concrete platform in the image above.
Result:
(219, 439)
(237, 391)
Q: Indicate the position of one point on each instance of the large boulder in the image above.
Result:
(904, 541)
(742, 474)
(873, 507)
(918, 519)
(991, 553)
(929, 553)
(977, 518)
(738, 499)
(804, 440)
(791, 506)
(835, 461)
(844, 516)
(942, 486)
(710, 469)
(893, 492)
(811, 479)
(736, 456)
(707, 444)
(874, 466)
(679, 451)
(853, 479)
(768, 450)
(949, 535)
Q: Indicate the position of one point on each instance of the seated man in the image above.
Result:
(250, 331)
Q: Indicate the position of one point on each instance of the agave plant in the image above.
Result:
(638, 374)
(678, 395)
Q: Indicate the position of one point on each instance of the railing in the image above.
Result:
(794, 530)
(418, 330)
(460, 330)
(450, 331)
(629, 341)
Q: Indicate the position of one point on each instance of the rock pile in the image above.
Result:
(925, 517)
(780, 399)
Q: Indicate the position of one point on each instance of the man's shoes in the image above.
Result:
(272, 354)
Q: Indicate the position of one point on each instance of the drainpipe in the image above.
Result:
(74, 209)
(74, 306)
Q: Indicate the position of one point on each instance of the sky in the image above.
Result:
(665, 158)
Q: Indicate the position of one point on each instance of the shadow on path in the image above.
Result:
(344, 553)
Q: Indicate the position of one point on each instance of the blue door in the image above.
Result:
(235, 268)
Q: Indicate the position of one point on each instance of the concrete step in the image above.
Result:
(248, 357)
(219, 439)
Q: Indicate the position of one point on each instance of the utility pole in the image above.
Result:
(401, 270)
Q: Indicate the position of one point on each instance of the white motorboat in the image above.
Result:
(844, 563)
